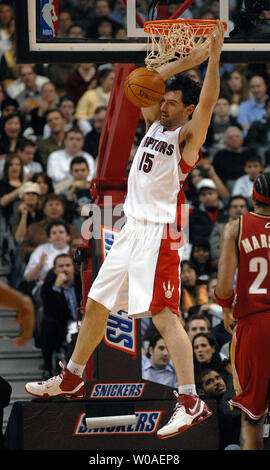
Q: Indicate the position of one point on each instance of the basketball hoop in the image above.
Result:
(171, 39)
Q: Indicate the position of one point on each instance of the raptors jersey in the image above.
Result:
(156, 177)
(253, 276)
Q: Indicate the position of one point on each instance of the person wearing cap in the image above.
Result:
(203, 218)
(27, 211)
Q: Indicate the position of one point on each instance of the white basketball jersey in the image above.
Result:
(155, 177)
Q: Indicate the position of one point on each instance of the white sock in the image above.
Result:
(189, 389)
(74, 368)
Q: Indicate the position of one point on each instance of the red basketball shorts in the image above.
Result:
(141, 272)
(251, 364)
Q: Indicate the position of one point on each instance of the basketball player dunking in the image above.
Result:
(141, 271)
(245, 247)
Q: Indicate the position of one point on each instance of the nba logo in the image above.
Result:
(49, 18)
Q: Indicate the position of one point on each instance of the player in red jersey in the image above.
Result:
(245, 252)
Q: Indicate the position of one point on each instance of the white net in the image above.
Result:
(170, 40)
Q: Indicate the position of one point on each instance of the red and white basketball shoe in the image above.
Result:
(65, 384)
(189, 410)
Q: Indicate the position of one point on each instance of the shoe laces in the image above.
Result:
(178, 407)
(57, 377)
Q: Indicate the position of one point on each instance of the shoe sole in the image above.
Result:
(198, 420)
(46, 395)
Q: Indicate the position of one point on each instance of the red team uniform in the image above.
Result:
(251, 342)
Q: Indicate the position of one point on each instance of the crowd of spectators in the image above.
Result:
(51, 118)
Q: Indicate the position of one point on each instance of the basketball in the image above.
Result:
(144, 87)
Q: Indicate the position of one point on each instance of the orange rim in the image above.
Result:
(198, 26)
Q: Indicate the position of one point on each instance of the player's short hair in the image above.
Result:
(262, 187)
(190, 89)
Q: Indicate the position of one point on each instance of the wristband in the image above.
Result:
(226, 303)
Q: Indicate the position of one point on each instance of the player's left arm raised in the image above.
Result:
(195, 131)
(196, 57)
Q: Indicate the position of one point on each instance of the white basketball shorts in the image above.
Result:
(141, 272)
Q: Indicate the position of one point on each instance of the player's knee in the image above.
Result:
(95, 308)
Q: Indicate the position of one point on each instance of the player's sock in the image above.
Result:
(74, 368)
(189, 389)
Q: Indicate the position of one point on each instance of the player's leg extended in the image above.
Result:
(251, 436)
(178, 344)
(91, 331)
(189, 409)
(69, 382)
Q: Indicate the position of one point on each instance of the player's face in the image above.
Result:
(173, 113)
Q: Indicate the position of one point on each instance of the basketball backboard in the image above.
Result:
(45, 42)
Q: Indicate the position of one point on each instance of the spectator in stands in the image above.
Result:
(8, 106)
(61, 296)
(91, 142)
(156, 366)
(237, 206)
(201, 258)
(208, 169)
(220, 122)
(76, 189)
(212, 384)
(64, 22)
(58, 165)
(27, 151)
(196, 174)
(27, 211)
(30, 97)
(56, 122)
(17, 86)
(102, 10)
(45, 184)
(244, 185)
(192, 292)
(48, 100)
(67, 107)
(258, 134)
(6, 15)
(98, 96)
(204, 217)
(10, 185)
(197, 323)
(75, 31)
(8, 65)
(229, 162)
(42, 258)
(234, 84)
(83, 78)
(11, 133)
(81, 11)
(206, 354)
(36, 234)
(253, 109)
